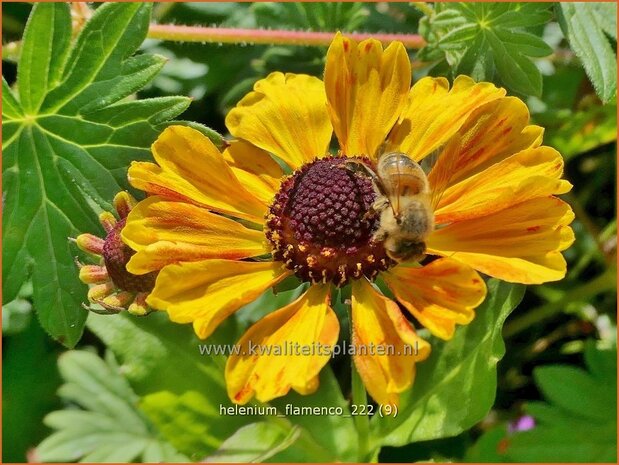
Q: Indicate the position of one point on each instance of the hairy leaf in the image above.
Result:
(584, 27)
(67, 139)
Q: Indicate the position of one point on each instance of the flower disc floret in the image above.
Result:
(321, 223)
(116, 255)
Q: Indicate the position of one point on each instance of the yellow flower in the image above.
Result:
(225, 227)
(112, 287)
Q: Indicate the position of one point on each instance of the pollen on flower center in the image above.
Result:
(319, 224)
(116, 254)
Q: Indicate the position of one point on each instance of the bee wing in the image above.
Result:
(443, 169)
(395, 195)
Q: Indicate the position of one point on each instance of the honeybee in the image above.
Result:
(406, 198)
(403, 203)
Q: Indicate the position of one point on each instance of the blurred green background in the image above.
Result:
(553, 323)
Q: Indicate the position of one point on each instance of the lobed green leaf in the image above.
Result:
(109, 428)
(516, 71)
(66, 144)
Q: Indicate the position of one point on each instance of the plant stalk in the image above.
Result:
(362, 421)
(220, 35)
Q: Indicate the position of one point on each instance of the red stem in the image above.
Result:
(268, 36)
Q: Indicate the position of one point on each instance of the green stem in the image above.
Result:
(604, 282)
(220, 35)
(362, 421)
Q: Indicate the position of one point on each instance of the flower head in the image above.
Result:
(112, 287)
(223, 227)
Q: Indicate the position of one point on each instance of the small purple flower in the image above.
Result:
(524, 423)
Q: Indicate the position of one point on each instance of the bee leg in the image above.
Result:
(371, 213)
(357, 166)
(379, 236)
(380, 203)
(378, 206)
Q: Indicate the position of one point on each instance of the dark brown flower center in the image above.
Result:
(319, 223)
(116, 254)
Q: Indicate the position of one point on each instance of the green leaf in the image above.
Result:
(158, 355)
(475, 38)
(16, 316)
(341, 440)
(579, 424)
(564, 386)
(44, 51)
(527, 44)
(67, 141)
(585, 32)
(456, 386)
(477, 62)
(163, 362)
(524, 15)
(319, 16)
(448, 18)
(255, 442)
(459, 34)
(109, 428)
(191, 421)
(606, 15)
(572, 442)
(516, 71)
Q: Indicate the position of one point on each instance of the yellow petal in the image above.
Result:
(493, 132)
(439, 295)
(521, 244)
(295, 343)
(378, 321)
(192, 169)
(366, 89)
(207, 292)
(285, 115)
(164, 232)
(254, 167)
(526, 175)
(434, 113)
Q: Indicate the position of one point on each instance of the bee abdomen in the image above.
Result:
(416, 222)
